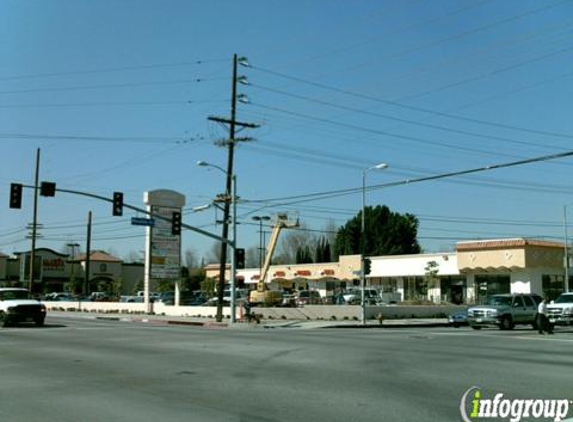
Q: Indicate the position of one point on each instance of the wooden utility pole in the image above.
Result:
(88, 253)
(233, 123)
(34, 221)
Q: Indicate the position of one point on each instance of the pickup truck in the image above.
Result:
(505, 311)
(560, 312)
(17, 305)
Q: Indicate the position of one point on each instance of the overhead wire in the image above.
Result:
(400, 119)
(416, 108)
(111, 69)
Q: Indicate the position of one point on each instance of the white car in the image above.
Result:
(560, 312)
(17, 305)
(354, 296)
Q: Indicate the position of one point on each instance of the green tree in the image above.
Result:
(387, 233)
(322, 251)
(303, 255)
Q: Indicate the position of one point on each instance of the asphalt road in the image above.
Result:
(80, 370)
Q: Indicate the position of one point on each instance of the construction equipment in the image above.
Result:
(264, 296)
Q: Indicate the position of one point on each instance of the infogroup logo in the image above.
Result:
(474, 406)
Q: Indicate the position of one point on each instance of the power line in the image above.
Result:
(384, 132)
(110, 104)
(415, 108)
(461, 35)
(342, 192)
(162, 139)
(112, 69)
(111, 86)
(398, 119)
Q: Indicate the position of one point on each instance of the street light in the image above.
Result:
(566, 257)
(380, 166)
(202, 163)
(233, 245)
(260, 219)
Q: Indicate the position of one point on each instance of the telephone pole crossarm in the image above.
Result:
(233, 122)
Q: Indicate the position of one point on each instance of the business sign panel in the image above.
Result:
(165, 247)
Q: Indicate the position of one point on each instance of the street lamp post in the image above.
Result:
(233, 244)
(379, 166)
(260, 219)
(566, 257)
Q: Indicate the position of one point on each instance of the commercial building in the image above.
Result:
(475, 269)
(58, 272)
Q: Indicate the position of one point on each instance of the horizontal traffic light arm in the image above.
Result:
(144, 211)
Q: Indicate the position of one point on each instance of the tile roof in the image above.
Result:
(99, 256)
(506, 243)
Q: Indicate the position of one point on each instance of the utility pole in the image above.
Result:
(34, 221)
(88, 253)
(230, 143)
(566, 257)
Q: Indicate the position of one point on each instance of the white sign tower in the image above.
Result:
(162, 248)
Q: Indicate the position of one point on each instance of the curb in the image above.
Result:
(387, 324)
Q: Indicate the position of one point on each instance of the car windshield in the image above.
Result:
(498, 300)
(564, 299)
(15, 295)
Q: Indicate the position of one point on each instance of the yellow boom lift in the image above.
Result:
(264, 296)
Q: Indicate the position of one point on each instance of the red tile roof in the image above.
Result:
(506, 243)
(99, 256)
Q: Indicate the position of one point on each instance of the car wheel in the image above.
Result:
(506, 323)
(39, 322)
(476, 327)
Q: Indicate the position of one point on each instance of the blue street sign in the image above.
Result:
(139, 221)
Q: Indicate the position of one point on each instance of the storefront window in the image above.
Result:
(487, 285)
(452, 289)
(553, 285)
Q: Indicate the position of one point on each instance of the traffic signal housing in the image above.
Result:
(239, 258)
(176, 223)
(48, 189)
(16, 195)
(117, 204)
(367, 266)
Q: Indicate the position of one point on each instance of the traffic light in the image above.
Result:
(117, 204)
(367, 266)
(176, 223)
(16, 195)
(48, 189)
(239, 258)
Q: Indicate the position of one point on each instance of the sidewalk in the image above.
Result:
(264, 324)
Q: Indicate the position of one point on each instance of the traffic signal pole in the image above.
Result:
(34, 221)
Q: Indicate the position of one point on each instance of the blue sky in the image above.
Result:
(117, 95)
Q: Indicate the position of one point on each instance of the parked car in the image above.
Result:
(560, 312)
(354, 296)
(458, 319)
(17, 305)
(505, 311)
(58, 297)
(289, 300)
(308, 297)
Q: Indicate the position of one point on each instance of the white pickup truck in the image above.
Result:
(17, 305)
(560, 312)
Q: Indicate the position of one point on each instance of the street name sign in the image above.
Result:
(139, 221)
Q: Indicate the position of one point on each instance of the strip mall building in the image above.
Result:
(475, 269)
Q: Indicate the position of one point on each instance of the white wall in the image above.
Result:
(413, 265)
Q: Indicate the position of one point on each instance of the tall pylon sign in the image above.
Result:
(162, 242)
